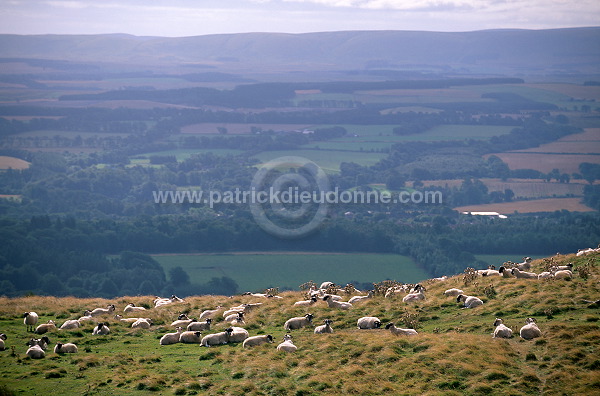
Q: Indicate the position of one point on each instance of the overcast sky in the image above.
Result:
(199, 17)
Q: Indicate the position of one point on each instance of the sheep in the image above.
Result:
(216, 338)
(65, 348)
(237, 317)
(469, 301)
(101, 329)
(87, 316)
(190, 337)
(568, 267)
(453, 292)
(523, 275)
(306, 303)
(142, 323)
(41, 342)
(325, 328)
(209, 313)
(545, 275)
(160, 302)
(336, 304)
(368, 322)
(356, 299)
(30, 320)
(70, 324)
(2, 338)
(132, 308)
(505, 272)
(287, 345)
(257, 340)
(120, 318)
(392, 291)
(416, 295)
(326, 285)
(35, 352)
(182, 321)
(564, 274)
(200, 326)
(501, 331)
(298, 322)
(491, 272)
(398, 331)
(237, 334)
(171, 338)
(525, 265)
(530, 330)
(103, 311)
(45, 327)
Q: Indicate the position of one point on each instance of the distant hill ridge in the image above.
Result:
(514, 51)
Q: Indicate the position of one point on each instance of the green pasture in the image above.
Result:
(328, 160)
(255, 272)
(498, 259)
(183, 154)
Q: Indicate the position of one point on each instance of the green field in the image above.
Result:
(498, 259)
(328, 160)
(183, 154)
(255, 272)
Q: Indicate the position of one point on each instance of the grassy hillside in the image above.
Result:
(454, 352)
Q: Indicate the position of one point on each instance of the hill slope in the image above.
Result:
(454, 352)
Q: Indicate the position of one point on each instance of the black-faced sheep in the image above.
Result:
(298, 322)
(469, 301)
(65, 348)
(30, 320)
(336, 304)
(501, 331)
(103, 311)
(399, 331)
(257, 340)
(171, 338)
(368, 322)
(200, 326)
(45, 327)
(287, 345)
(101, 329)
(530, 330)
(325, 328)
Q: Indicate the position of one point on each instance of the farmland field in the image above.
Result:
(533, 206)
(183, 154)
(237, 129)
(13, 163)
(545, 162)
(328, 160)
(255, 272)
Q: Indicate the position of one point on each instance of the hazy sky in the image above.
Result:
(199, 17)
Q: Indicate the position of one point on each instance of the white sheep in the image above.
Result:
(325, 328)
(200, 326)
(326, 284)
(525, 265)
(336, 304)
(501, 330)
(45, 327)
(505, 272)
(87, 316)
(209, 313)
(65, 348)
(530, 330)
(121, 319)
(491, 272)
(132, 308)
(171, 338)
(2, 338)
(545, 275)
(357, 299)
(70, 324)
(298, 322)
(103, 311)
(563, 274)
(238, 334)
(101, 329)
(216, 338)
(41, 342)
(399, 331)
(306, 303)
(182, 321)
(368, 322)
(257, 340)
(35, 352)
(523, 274)
(142, 323)
(568, 267)
(453, 292)
(416, 295)
(287, 345)
(161, 302)
(238, 317)
(190, 337)
(469, 301)
(30, 320)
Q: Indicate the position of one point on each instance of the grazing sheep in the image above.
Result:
(132, 308)
(416, 295)
(103, 311)
(257, 340)
(306, 303)
(171, 338)
(287, 345)
(523, 275)
(368, 322)
(326, 328)
(501, 331)
(70, 324)
(45, 327)
(142, 323)
(2, 338)
(525, 265)
(453, 292)
(41, 342)
(530, 330)
(469, 301)
(563, 274)
(209, 313)
(65, 348)
(356, 299)
(298, 322)
(101, 329)
(216, 338)
(398, 331)
(200, 326)
(238, 334)
(505, 272)
(336, 304)
(31, 319)
(35, 352)
(190, 337)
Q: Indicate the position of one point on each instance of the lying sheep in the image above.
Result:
(103, 311)
(501, 331)
(132, 308)
(287, 345)
(325, 328)
(209, 313)
(101, 329)
(45, 327)
(453, 292)
(121, 319)
(368, 322)
(469, 301)
(3, 337)
(257, 340)
(545, 275)
(41, 342)
(35, 352)
(525, 265)
(237, 317)
(530, 330)
(505, 272)
(298, 322)
(30, 320)
(563, 274)
(200, 326)
(161, 302)
(190, 337)
(568, 267)
(87, 316)
(171, 338)
(523, 274)
(237, 334)
(70, 324)
(142, 323)
(216, 338)
(336, 304)
(306, 303)
(416, 295)
(398, 331)
(326, 285)
(182, 321)
(65, 348)
(357, 299)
